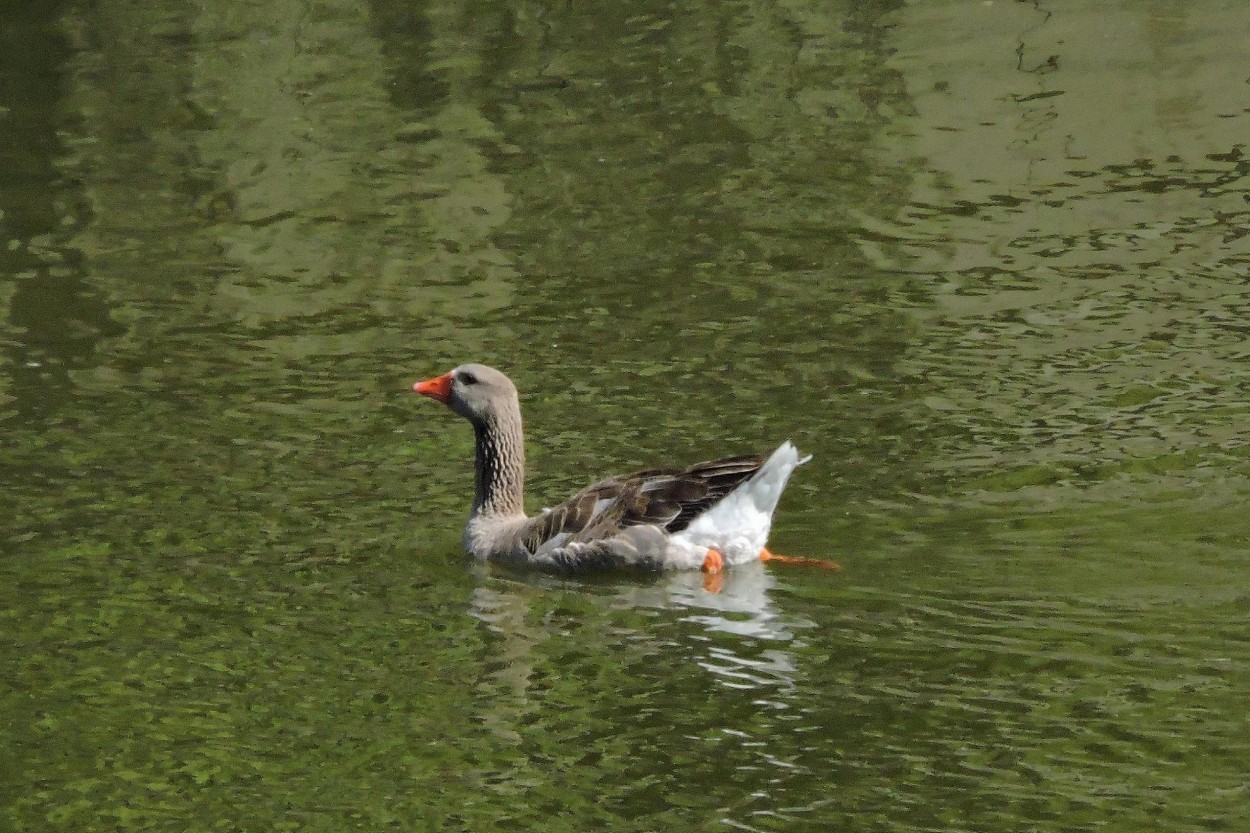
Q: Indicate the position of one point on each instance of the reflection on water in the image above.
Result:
(1004, 314)
(60, 315)
(633, 673)
(741, 607)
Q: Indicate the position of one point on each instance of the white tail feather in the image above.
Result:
(738, 525)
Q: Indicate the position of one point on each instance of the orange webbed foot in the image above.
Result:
(713, 571)
(765, 555)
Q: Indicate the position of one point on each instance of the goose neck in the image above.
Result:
(499, 467)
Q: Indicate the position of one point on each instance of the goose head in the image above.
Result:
(476, 392)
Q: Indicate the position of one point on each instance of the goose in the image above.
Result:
(706, 516)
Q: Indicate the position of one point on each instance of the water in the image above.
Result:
(987, 261)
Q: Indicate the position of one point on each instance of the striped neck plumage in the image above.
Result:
(499, 466)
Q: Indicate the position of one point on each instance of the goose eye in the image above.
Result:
(466, 378)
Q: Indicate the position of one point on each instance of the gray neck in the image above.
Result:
(499, 468)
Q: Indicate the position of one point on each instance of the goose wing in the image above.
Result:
(669, 499)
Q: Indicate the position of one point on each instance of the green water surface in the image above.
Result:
(987, 261)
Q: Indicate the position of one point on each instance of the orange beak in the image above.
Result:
(438, 388)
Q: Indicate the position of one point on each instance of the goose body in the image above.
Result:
(701, 517)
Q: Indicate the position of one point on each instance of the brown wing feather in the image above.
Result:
(668, 498)
(720, 477)
(572, 516)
